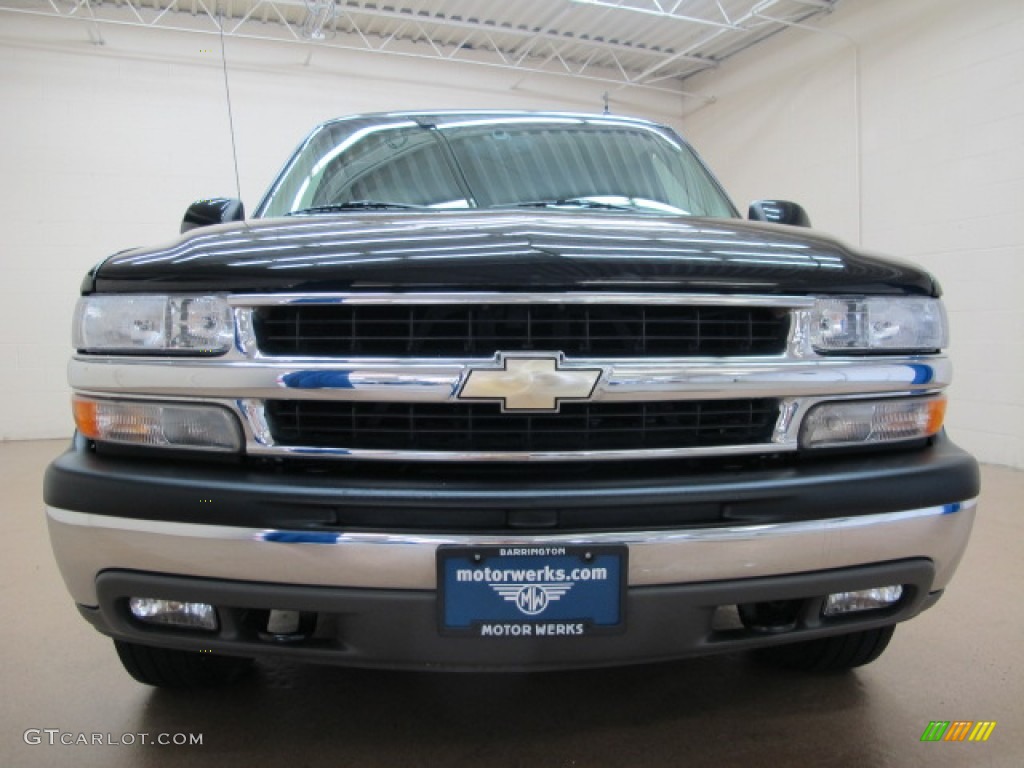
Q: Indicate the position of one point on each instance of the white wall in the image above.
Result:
(103, 147)
(907, 136)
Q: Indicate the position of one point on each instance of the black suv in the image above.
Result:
(504, 390)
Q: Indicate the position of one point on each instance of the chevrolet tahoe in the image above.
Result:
(504, 391)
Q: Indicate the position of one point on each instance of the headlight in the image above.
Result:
(896, 324)
(161, 425)
(153, 324)
(870, 422)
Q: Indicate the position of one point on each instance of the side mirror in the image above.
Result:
(778, 212)
(213, 210)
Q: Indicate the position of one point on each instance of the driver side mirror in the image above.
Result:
(213, 210)
(779, 212)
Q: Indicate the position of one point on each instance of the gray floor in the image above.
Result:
(960, 661)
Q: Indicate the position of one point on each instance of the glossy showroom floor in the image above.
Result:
(963, 660)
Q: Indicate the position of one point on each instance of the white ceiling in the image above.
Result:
(651, 44)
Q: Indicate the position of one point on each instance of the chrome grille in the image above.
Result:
(462, 427)
(479, 330)
(405, 407)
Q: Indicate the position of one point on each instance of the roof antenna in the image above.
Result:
(606, 110)
(227, 93)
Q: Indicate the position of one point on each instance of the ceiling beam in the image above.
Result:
(366, 47)
(536, 34)
(654, 9)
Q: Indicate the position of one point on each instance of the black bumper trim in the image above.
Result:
(398, 628)
(671, 496)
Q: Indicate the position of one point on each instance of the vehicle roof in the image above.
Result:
(441, 117)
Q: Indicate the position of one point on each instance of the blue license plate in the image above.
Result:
(549, 591)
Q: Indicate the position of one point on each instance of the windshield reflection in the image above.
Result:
(495, 161)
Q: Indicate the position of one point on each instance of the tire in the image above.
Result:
(830, 654)
(167, 668)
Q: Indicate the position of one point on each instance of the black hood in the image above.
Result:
(506, 251)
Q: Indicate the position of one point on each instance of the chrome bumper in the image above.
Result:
(87, 544)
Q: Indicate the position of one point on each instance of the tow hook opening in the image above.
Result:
(771, 617)
(285, 626)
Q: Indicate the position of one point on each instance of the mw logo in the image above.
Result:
(532, 599)
(958, 730)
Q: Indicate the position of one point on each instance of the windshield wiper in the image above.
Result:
(354, 205)
(569, 202)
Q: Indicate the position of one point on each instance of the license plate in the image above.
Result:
(549, 591)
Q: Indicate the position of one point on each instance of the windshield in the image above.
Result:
(499, 162)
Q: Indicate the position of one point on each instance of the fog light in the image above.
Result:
(863, 600)
(174, 613)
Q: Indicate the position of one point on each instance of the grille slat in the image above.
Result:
(611, 330)
(464, 427)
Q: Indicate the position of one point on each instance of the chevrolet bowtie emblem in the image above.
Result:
(530, 383)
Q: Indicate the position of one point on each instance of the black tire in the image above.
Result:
(830, 654)
(167, 668)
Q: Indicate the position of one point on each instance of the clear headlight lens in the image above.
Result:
(153, 324)
(870, 422)
(907, 324)
(162, 425)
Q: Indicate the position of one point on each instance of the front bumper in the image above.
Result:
(374, 601)
(121, 528)
(87, 545)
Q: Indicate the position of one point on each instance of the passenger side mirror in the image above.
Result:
(213, 210)
(779, 212)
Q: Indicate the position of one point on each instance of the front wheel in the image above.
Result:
(169, 668)
(830, 654)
